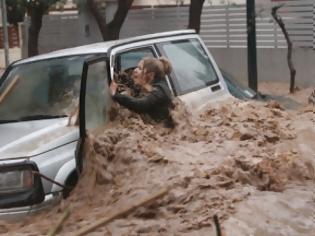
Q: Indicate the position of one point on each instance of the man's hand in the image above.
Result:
(113, 88)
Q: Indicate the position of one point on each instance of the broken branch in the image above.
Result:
(8, 90)
(281, 24)
(58, 226)
(123, 212)
(217, 225)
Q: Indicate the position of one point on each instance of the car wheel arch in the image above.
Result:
(64, 174)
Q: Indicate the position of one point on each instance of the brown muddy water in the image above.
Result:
(250, 163)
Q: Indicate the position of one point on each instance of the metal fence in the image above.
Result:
(226, 26)
(221, 26)
(152, 20)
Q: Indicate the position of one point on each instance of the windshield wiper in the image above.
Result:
(33, 117)
(40, 117)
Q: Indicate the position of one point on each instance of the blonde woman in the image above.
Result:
(150, 75)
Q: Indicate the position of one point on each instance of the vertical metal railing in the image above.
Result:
(5, 32)
(227, 22)
(314, 25)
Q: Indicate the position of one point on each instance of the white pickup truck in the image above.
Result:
(40, 145)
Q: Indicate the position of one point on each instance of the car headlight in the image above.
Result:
(19, 186)
(16, 180)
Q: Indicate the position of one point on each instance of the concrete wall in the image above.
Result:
(272, 64)
(61, 31)
(14, 54)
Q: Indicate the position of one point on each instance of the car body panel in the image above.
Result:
(52, 143)
(102, 47)
(49, 163)
(49, 143)
(31, 138)
(16, 213)
(63, 174)
(198, 99)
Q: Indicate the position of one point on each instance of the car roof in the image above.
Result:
(101, 47)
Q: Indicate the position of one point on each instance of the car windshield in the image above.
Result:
(42, 89)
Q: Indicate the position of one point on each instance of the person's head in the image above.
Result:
(150, 69)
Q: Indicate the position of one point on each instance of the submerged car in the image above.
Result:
(41, 141)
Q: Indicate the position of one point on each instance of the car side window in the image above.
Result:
(128, 60)
(192, 68)
(97, 97)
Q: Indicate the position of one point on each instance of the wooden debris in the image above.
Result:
(217, 225)
(58, 226)
(162, 192)
(9, 88)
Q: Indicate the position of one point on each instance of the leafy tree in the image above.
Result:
(16, 10)
(195, 9)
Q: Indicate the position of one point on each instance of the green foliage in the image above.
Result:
(16, 9)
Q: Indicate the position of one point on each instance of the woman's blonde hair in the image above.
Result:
(159, 66)
(167, 66)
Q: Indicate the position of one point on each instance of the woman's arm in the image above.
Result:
(143, 104)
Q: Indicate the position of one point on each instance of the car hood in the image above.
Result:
(30, 138)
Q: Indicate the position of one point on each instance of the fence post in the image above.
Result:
(5, 32)
(251, 44)
(178, 16)
(275, 34)
(152, 12)
(227, 22)
(314, 25)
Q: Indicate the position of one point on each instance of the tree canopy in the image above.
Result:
(16, 9)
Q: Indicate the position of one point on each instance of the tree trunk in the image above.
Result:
(195, 9)
(280, 22)
(99, 17)
(111, 30)
(115, 25)
(34, 29)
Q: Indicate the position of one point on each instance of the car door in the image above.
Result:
(95, 101)
(195, 75)
(127, 57)
(195, 78)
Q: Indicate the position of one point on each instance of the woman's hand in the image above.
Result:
(113, 88)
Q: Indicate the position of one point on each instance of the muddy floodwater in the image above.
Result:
(250, 163)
